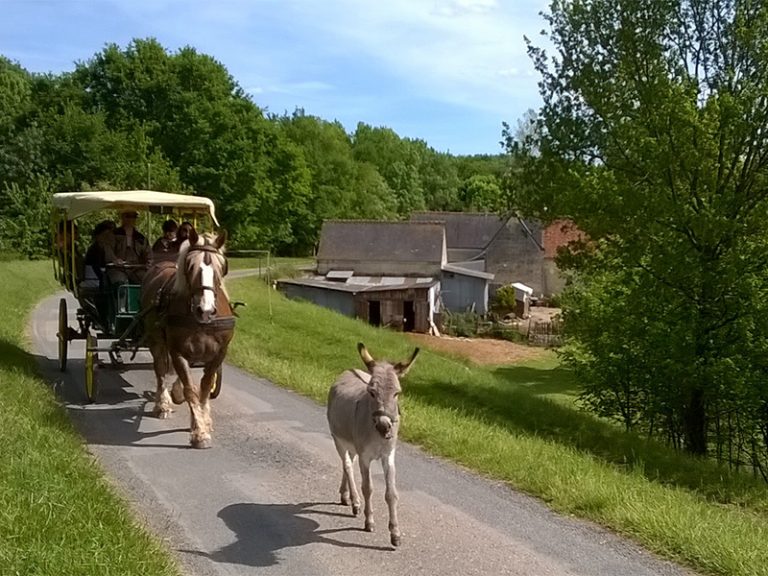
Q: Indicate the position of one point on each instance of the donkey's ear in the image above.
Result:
(193, 237)
(220, 239)
(402, 367)
(367, 358)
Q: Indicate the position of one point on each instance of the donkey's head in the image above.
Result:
(384, 389)
(201, 270)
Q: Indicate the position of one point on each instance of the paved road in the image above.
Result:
(262, 500)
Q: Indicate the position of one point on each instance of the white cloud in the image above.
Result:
(451, 52)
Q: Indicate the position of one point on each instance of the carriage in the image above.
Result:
(110, 311)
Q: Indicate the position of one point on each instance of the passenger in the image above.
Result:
(183, 233)
(129, 247)
(96, 256)
(90, 293)
(166, 244)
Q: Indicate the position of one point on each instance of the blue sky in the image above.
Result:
(448, 72)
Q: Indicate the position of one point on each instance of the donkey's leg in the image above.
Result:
(365, 471)
(347, 487)
(199, 438)
(390, 495)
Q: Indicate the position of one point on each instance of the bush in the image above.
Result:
(504, 301)
(463, 324)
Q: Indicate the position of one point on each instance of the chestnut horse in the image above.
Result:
(188, 322)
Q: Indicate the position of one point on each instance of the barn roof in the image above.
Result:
(464, 230)
(378, 241)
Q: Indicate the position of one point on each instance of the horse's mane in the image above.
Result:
(181, 286)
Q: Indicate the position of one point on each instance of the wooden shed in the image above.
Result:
(407, 304)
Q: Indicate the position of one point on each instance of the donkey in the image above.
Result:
(189, 321)
(364, 419)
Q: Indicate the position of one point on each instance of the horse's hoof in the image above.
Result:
(201, 443)
(369, 526)
(355, 510)
(395, 540)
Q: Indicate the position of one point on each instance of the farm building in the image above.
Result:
(391, 274)
(511, 249)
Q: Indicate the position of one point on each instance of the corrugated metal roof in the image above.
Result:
(373, 284)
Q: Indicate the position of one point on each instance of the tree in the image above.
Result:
(396, 160)
(653, 139)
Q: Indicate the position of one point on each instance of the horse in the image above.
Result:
(188, 320)
(364, 419)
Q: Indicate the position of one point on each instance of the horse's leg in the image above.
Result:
(206, 383)
(161, 364)
(199, 438)
(365, 471)
(177, 391)
(347, 487)
(390, 495)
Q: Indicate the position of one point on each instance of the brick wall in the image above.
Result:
(559, 233)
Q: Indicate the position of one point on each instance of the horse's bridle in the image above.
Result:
(212, 250)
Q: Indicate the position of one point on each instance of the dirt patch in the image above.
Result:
(479, 350)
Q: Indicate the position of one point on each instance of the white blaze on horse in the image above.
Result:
(364, 418)
(189, 321)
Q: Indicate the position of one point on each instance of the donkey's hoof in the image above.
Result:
(369, 526)
(355, 509)
(395, 540)
(161, 414)
(201, 443)
(345, 500)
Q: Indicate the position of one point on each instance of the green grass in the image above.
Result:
(57, 513)
(519, 424)
(241, 263)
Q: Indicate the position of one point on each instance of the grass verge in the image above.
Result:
(57, 513)
(513, 423)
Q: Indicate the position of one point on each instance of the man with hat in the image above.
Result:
(130, 247)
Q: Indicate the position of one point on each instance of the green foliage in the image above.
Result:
(141, 116)
(25, 219)
(504, 301)
(463, 324)
(652, 138)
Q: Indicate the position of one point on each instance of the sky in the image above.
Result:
(448, 72)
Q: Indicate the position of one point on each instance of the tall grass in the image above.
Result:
(517, 424)
(57, 513)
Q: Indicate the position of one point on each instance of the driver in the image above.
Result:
(129, 247)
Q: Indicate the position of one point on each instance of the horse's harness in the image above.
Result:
(188, 320)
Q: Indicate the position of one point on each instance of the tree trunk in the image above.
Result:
(695, 422)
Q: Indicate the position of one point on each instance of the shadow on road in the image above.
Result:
(116, 416)
(263, 529)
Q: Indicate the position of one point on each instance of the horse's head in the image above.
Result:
(384, 389)
(201, 269)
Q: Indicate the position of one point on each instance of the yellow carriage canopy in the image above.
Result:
(77, 204)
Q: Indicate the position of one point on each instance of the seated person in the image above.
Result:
(166, 248)
(183, 233)
(90, 288)
(129, 247)
(96, 256)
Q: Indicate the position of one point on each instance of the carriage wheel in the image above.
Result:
(216, 386)
(91, 386)
(63, 334)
